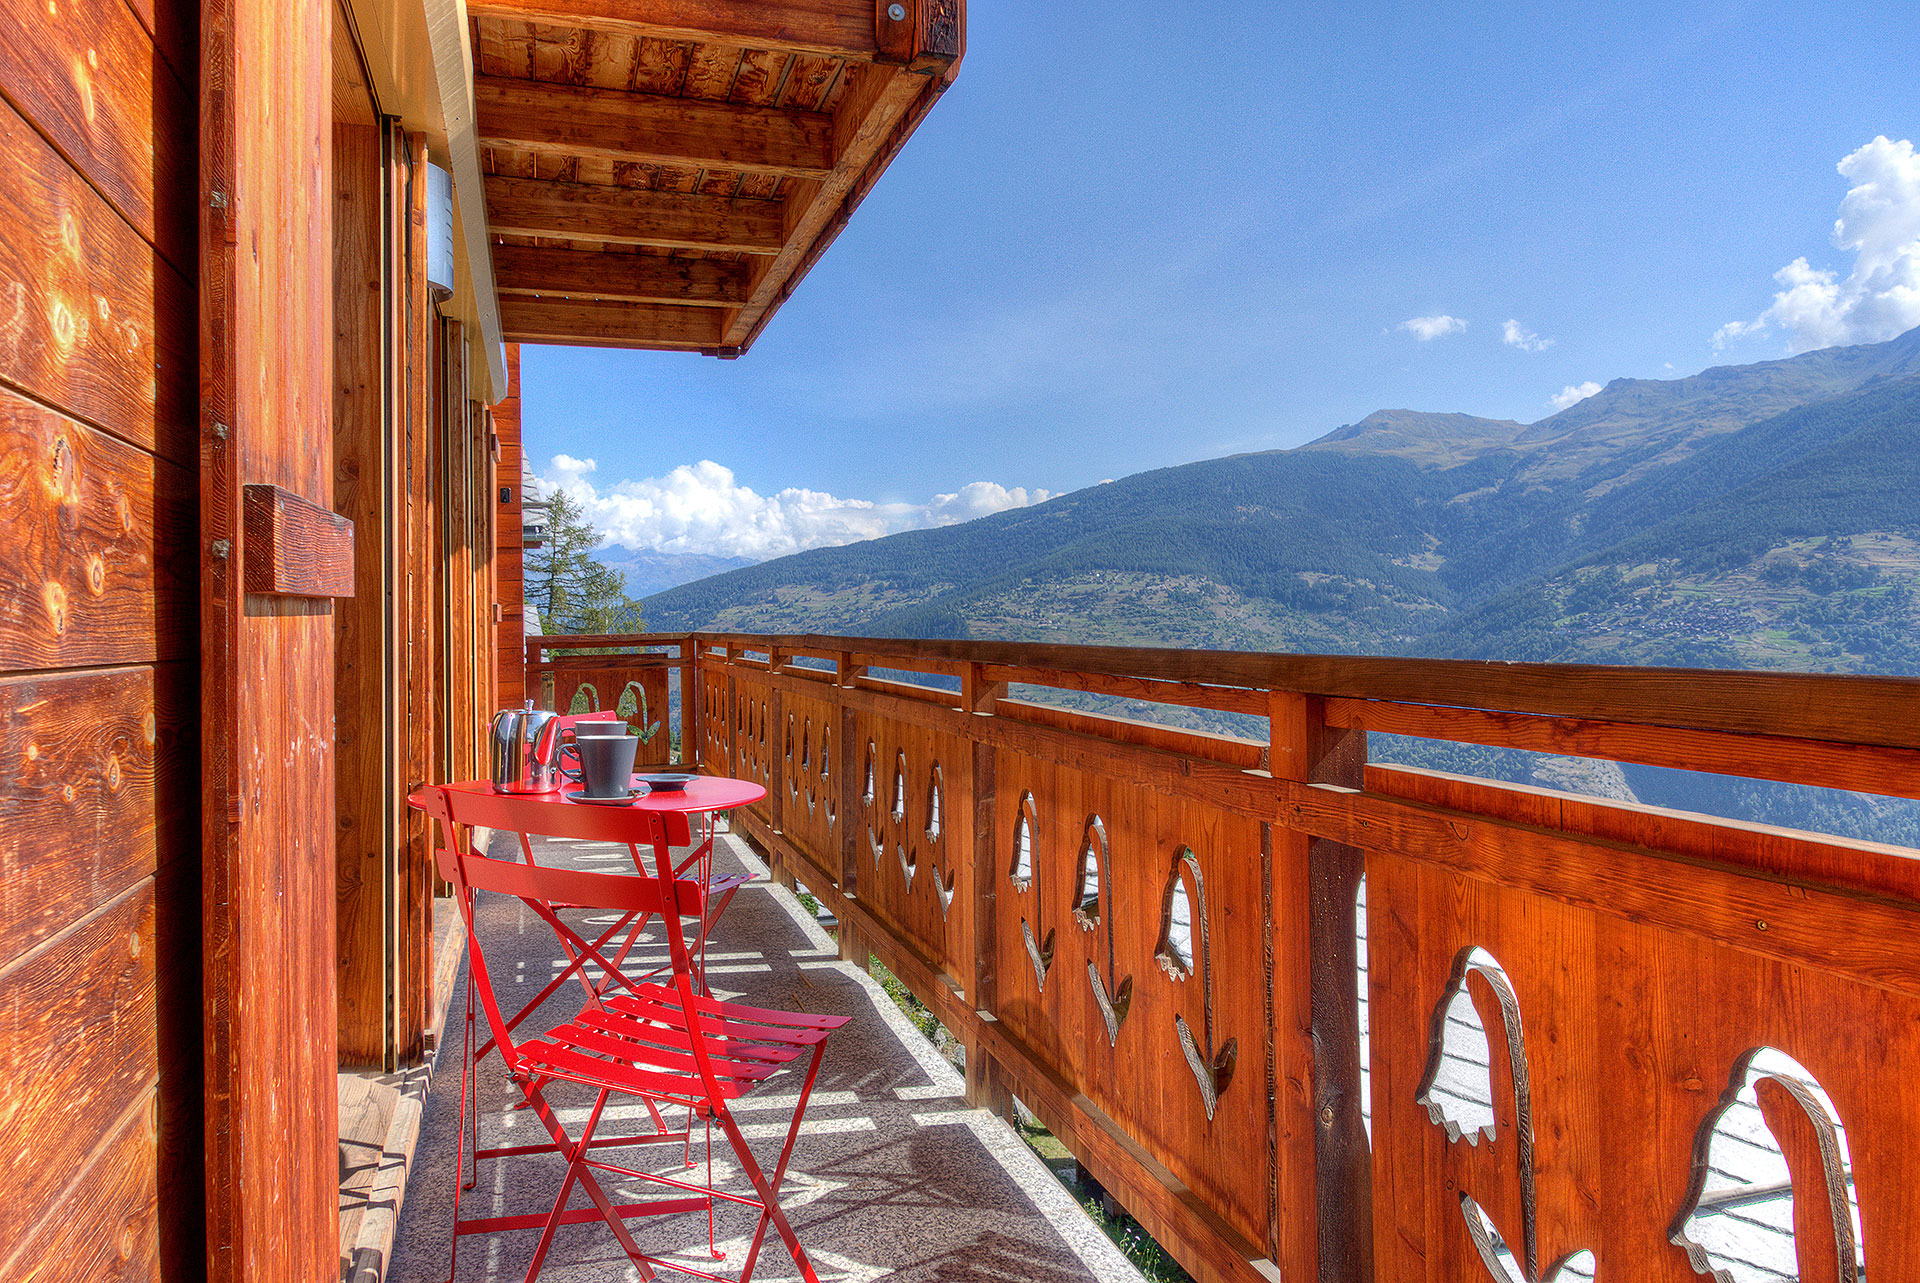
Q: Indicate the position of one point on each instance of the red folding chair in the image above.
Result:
(664, 1044)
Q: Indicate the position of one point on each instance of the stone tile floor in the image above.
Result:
(893, 1177)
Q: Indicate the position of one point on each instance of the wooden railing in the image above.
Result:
(1149, 936)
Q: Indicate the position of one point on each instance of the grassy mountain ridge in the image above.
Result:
(1410, 532)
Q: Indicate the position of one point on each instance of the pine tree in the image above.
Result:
(574, 593)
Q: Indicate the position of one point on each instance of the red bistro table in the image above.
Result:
(660, 820)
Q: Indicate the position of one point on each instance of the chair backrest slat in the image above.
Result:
(569, 886)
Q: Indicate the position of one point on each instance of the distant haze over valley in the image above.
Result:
(654, 572)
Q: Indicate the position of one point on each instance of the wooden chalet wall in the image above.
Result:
(509, 549)
(99, 763)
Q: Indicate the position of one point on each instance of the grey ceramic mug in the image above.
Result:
(606, 764)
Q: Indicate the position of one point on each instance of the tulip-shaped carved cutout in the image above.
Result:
(900, 787)
(826, 773)
(805, 774)
(909, 862)
(943, 884)
(933, 803)
(1113, 999)
(1183, 903)
(1086, 891)
(873, 845)
(1023, 829)
(1772, 1153)
(866, 793)
(1457, 1091)
(1040, 953)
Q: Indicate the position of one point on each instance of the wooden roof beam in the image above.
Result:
(877, 98)
(831, 28)
(578, 323)
(633, 216)
(577, 120)
(630, 278)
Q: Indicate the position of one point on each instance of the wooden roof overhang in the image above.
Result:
(661, 173)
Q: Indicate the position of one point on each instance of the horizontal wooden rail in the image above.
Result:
(1146, 933)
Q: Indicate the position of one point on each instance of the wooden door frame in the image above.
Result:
(267, 917)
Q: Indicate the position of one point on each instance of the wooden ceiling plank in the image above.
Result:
(652, 128)
(633, 216)
(835, 28)
(578, 323)
(876, 99)
(631, 278)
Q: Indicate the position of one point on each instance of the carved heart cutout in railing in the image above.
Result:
(1212, 1075)
(1040, 954)
(1113, 1009)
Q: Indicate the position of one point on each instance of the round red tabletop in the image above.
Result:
(702, 793)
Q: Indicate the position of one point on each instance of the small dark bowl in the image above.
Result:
(666, 783)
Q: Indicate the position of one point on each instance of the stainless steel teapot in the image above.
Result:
(526, 750)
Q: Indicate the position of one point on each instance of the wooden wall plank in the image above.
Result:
(91, 321)
(100, 553)
(106, 1228)
(91, 994)
(92, 766)
(91, 83)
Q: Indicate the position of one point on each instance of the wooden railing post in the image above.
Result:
(846, 762)
(1305, 749)
(730, 712)
(689, 704)
(985, 1087)
(778, 745)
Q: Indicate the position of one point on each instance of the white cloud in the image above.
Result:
(1573, 394)
(1514, 334)
(1429, 328)
(701, 508)
(1880, 296)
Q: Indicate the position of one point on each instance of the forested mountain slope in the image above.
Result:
(1608, 531)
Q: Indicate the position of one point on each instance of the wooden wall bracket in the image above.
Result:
(294, 547)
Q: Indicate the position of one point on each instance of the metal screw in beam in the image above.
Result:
(897, 12)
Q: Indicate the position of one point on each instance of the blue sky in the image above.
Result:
(1185, 231)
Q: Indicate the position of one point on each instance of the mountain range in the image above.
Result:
(1755, 516)
(650, 572)
(1761, 515)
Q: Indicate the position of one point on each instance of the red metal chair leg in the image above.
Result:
(460, 1145)
(578, 1171)
(769, 1189)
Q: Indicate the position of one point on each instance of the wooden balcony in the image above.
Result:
(1311, 1016)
